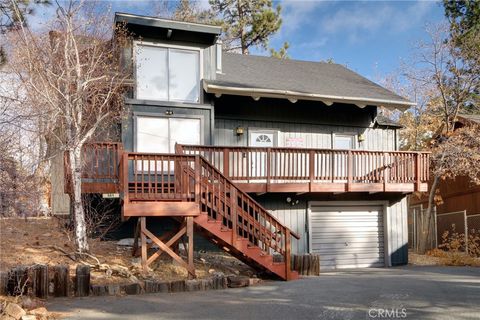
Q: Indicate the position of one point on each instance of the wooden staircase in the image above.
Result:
(189, 186)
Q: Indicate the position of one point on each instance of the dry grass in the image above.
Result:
(29, 241)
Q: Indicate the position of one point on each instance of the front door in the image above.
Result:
(257, 160)
(340, 162)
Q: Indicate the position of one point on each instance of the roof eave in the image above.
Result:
(293, 96)
(166, 23)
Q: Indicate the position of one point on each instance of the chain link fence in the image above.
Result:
(459, 231)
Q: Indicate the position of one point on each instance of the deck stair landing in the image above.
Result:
(193, 191)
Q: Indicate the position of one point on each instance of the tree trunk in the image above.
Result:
(426, 235)
(76, 200)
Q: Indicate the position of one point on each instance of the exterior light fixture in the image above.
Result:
(239, 131)
(361, 137)
(169, 112)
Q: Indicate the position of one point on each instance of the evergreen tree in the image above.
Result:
(247, 23)
(282, 53)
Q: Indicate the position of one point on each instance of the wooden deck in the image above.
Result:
(260, 170)
(318, 170)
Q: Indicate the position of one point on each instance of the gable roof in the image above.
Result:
(259, 76)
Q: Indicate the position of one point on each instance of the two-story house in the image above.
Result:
(262, 156)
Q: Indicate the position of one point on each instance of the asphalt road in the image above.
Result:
(394, 293)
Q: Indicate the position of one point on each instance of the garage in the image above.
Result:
(347, 236)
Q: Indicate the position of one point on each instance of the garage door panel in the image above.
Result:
(360, 227)
(351, 245)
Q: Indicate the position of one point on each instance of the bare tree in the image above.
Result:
(438, 70)
(74, 84)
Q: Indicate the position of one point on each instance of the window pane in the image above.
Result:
(343, 142)
(184, 131)
(152, 135)
(184, 75)
(152, 76)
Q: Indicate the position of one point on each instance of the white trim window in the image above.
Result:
(165, 73)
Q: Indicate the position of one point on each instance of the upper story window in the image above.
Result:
(171, 74)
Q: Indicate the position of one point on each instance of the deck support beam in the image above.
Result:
(185, 228)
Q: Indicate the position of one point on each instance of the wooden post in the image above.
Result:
(311, 168)
(418, 170)
(197, 179)
(143, 237)
(288, 256)
(136, 235)
(233, 215)
(226, 162)
(385, 171)
(82, 280)
(124, 181)
(60, 281)
(268, 168)
(349, 170)
(190, 246)
(40, 280)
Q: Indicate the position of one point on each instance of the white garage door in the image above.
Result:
(347, 236)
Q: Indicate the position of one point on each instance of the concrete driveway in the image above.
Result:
(395, 293)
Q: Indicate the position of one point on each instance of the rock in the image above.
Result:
(211, 271)
(29, 317)
(238, 281)
(254, 281)
(127, 242)
(39, 312)
(6, 317)
(14, 310)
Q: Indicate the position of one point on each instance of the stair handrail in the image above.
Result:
(179, 150)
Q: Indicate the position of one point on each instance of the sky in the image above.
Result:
(369, 37)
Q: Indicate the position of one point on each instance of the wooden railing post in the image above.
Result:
(349, 170)
(198, 169)
(268, 168)
(418, 171)
(386, 171)
(311, 168)
(288, 254)
(226, 162)
(233, 215)
(124, 177)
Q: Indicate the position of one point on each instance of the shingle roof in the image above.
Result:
(319, 78)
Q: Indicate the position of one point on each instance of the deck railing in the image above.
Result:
(272, 169)
(100, 168)
(295, 165)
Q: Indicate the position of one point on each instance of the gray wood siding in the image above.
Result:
(294, 217)
(313, 136)
(398, 231)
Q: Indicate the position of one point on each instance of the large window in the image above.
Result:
(167, 73)
(159, 135)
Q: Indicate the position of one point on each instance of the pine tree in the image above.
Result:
(247, 23)
(282, 53)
